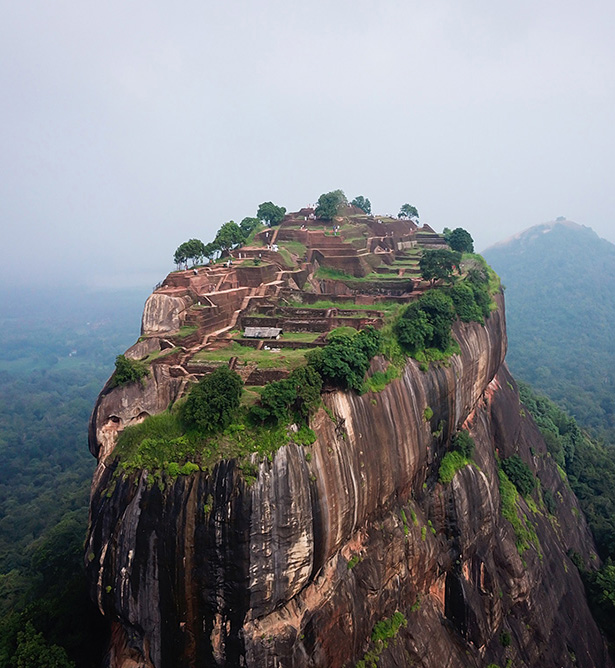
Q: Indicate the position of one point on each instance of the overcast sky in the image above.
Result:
(127, 127)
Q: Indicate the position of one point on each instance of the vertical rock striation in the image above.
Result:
(297, 568)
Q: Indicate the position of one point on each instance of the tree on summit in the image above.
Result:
(438, 265)
(248, 224)
(193, 249)
(362, 203)
(270, 214)
(329, 203)
(228, 236)
(408, 211)
(460, 240)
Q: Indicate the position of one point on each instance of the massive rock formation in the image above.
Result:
(298, 567)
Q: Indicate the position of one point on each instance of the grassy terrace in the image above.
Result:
(386, 307)
(162, 444)
(304, 337)
(265, 359)
(295, 247)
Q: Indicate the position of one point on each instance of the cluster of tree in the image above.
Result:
(439, 265)
(362, 203)
(426, 323)
(590, 467)
(229, 236)
(459, 239)
(128, 371)
(344, 361)
(329, 204)
(213, 402)
(294, 397)
(408, 211)
(520, 474)
(46, 398)
(54, 623)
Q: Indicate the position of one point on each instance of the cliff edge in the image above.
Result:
(351, 550)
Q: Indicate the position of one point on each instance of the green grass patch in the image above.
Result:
(288, 260)
(161, 444)
(384, 631)
(341, 331)
(452, 462)
(380, 379)
(303, 337)
(351, 306)
(353, 561)
(186, 330)
(295, 247)
(525, 533)
(286, 358)
(305, 436)
(436, 355)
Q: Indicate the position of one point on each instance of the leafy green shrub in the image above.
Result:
(550, 503)
(127, 371)
(426, 323)
(519, 474)
(388, 628)
(305, 436)
(465, 303)
(353, 561)
(463, 443)
(452, 462)
(427, 413)
(379, 380)
(298, 394)
(479, 282)
(505, 639)
(525, 534)
(213, 401)
(413, 329)
(344, 361)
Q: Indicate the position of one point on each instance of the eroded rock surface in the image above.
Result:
(296, 569)
(325, 543)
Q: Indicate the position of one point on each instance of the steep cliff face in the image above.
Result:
(299, 567)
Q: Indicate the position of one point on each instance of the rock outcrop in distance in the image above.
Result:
(348, 551)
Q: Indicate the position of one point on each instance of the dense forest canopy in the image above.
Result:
(58, 351)
(560, 311)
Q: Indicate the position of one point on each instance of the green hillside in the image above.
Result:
(560, 306)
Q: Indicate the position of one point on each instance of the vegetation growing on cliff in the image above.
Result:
(213, 401)
(384, 631)
(590, 470)
(525, 533)
(589, 466)
(426, 323)
(127, 371)
(459, 456)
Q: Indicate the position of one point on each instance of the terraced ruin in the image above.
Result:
(264, 305)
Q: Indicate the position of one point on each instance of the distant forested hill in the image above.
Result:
(560, 307)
